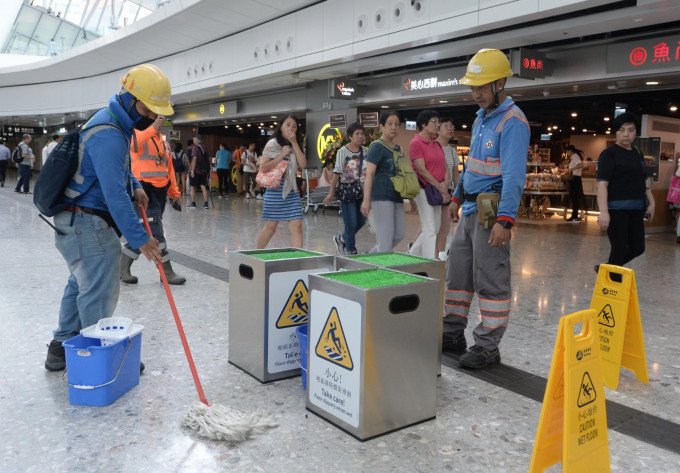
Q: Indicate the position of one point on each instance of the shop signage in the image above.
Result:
(369, 119)
(338, 121)
(17, 130)
(662, 53)
(325, 136)
(530, 64)
(424, 83)
(342, 89)
(224, 108)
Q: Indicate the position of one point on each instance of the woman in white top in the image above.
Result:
(446, 132)
(250, 170)
(575, 184)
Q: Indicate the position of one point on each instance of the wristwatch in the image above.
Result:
(507, 224)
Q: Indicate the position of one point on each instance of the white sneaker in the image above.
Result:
(252, 193)
(259, 197)
(443, 255)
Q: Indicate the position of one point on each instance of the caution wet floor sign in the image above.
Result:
(573, 425)
(619, 327)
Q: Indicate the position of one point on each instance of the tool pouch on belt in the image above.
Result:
(487, 208)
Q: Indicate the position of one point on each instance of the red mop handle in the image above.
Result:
(178, 322)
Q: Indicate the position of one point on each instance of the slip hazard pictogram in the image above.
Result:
(586, 393)
(332, 345)
(606, 316)
(296, 310)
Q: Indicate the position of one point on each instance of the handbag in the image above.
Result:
(434, 197)
(351, 191)
(272, 178)
(674, 191)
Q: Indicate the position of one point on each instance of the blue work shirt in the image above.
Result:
(497, 160)
(104, 174)
(223, 158)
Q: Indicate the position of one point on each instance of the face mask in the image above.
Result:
(143, 123)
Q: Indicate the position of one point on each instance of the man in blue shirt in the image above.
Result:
(87, 233)
(479, 257)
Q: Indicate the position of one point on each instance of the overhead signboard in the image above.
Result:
(338, 121)
(436, 81)
(369, 119)
(344, 89)
(530, 64)
(11, 130)
(660, 53)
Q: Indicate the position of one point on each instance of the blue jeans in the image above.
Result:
(24, 173)
(354, 220)
(92, 252)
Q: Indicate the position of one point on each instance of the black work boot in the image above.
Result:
(125, 264)
(56, 357)
(479, 357)
(454, 343)
(173, 278)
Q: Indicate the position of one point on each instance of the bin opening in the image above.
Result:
(245, 271)
(285, 254)
(402, 304)
(373, 278)
(421, 273)
(389, 259)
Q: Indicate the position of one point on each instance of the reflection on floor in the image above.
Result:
(481, 426)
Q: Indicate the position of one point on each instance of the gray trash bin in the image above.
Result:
(430, 268)
(268, 300)
(372, 350)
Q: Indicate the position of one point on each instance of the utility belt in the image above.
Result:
(103, 214)
(487, 207)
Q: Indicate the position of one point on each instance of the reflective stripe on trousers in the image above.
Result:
(475, 267)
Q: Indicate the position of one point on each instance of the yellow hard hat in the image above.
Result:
(150, 86)
(486, 66)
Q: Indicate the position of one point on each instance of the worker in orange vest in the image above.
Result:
(239, 157)
(152, 166)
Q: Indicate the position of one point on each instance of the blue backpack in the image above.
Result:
(60, 167)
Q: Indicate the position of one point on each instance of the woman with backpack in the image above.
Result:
(379, 192)
(179, 162)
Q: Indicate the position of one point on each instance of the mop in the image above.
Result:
(214, 422)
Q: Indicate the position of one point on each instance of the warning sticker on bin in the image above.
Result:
(332, 345)
(296, 310)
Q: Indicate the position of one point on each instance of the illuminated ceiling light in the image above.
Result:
(585, 130)
(248, 124)
(261, 124)
(607, 132)
(273, 116)
(464, 126)
(443, 101)
(606, 119)
(276, 123)
(554, 127)
(384, 106)
(573, 128)
(574, 114)
(651, 82)
(673, 108)
(226, 126)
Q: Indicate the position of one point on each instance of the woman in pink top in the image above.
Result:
(427, 158)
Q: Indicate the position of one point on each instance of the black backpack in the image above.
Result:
(17, 155)
(202, 161)
(60, 167)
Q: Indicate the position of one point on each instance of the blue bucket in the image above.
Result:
(301, 332)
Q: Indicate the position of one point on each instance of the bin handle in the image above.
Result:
(89, 388)
(406, 303)
(245, 271)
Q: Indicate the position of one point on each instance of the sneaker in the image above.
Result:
(339, 244)
(252, 193)
(219, 196)
(192, 206)
(56, 356)
(205, 206)
(141, 367)
(479, 357)
(247, 196)
(453, 343)
(17, 191)
(578, 219)
(259, 197)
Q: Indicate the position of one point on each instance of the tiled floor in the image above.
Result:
(480, 427)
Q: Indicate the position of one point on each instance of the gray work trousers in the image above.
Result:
(475, 267)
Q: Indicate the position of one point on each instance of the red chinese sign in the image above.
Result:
(657, 53)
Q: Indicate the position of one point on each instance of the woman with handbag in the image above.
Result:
(282, 154)
(379, 192)
(427, 158)
(347, 185)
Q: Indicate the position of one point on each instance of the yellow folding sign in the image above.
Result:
(619, 327)
(573, 425)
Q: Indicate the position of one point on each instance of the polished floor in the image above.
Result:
(483, 424)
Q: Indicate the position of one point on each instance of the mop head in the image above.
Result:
(224, 423)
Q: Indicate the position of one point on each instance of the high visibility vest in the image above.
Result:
(152, 160)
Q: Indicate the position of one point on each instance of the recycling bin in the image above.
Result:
(268, 300)
(372, 338)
